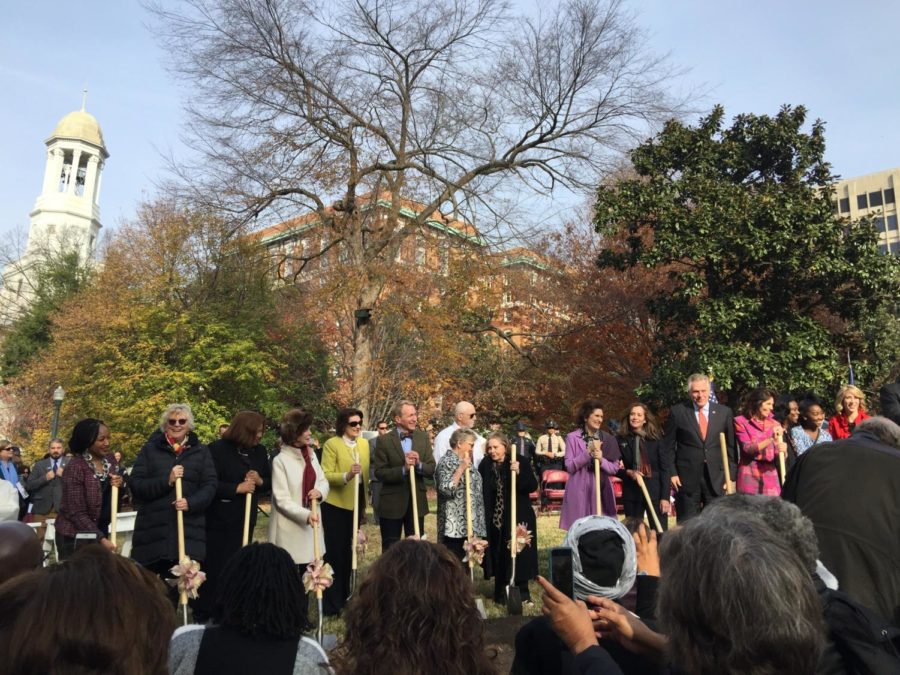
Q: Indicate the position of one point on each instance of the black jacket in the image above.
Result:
(685, 453)
(890, 401)
(155, 530)
(227, 509)
(658, 484)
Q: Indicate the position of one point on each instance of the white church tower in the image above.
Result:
(66, 214)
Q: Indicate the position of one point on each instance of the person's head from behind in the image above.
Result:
(885, 430)
(261, 594)
(97, 613)
(415, 613)
(786, 520)
(20, 550)
(603, 557)
(734, 598)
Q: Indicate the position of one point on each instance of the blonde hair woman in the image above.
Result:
(849, 412)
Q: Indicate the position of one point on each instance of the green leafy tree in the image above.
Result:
(57, 278)
(770, 285)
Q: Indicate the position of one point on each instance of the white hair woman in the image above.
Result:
(172, 451)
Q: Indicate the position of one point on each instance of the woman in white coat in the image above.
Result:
(297, 478)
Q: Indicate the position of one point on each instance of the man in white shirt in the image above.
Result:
(464, 418)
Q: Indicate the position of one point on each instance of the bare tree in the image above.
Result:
(311, 106)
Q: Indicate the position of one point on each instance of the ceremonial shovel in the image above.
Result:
(599, 505)
(179, 519)
(729, 490)
(780, 459)
(320, 631)
(513, 595)
(354, 556)
(479, 603)
(114, 513)
(415, 503)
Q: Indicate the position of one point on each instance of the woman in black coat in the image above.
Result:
(495, 473)
(242, 467)
(171, 452)
(641, 432)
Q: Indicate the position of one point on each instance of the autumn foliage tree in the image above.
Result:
(179, 311)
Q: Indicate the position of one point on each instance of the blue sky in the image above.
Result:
(750, 56)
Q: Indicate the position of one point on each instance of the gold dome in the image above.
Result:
(82, 126)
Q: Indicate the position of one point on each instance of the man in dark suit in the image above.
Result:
(398, 452)
(890, 401)
(45, 484)
(691, 448)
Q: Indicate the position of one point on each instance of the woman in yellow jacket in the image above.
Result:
(344, 457)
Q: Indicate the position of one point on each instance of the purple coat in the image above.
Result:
(579, 500)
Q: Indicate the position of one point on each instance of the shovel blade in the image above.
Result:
(513, 601)
(479, 605)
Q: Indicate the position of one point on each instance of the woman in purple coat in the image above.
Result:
(579, 499)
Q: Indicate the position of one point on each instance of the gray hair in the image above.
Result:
(397, 410)
(176, 407)
(462, 435)
(734, 598)
(696, 377)
(885, 430)
(583, 585)
(781, 517)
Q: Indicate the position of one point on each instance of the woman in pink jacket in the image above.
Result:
(760, 438)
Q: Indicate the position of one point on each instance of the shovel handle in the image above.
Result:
(725, 466)
(114, 513)
(512, 514)
(650, 509)
(248, 506)
(179, 520)
(415, 501)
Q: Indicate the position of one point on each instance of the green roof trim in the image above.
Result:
(524, 260)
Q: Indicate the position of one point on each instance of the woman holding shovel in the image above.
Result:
(450, 479)
(297, 480)
(242, 467)
(505, 510)
(641, 461)
(345, 460)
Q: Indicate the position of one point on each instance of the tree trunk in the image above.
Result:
(363, 348)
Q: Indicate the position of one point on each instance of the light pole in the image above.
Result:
(58, 395)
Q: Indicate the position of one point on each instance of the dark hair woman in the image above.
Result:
(171, 452)
(344, 456)
(242, 468)
(757, 435)
(297, 478)
(787, 414)
(86, 505)
(496, 472)
(587, 443)
(415, 615)
(98, 614)
(810, 431)
(639, 444)
(258, 621)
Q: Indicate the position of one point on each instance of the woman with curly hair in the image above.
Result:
(258, 620)
(415, 615)
(641, 448)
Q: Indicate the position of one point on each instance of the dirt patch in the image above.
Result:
(500, 635)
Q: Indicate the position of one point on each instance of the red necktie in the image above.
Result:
(701, 418)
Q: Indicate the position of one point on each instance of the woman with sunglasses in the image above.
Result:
(171, 452)
(242, 467)
(344, 456)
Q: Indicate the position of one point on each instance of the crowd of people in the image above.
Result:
(747, 583)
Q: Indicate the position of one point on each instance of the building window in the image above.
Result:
(879, 224)
(862, 202)
(892, 223)
(845, 205)
(883, 249)
(875, 199)
(889, 196)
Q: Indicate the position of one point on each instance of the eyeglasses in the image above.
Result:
(382, 428)
(177, 423)
(472, 415)
(354, 424)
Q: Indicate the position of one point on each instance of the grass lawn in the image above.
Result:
(548, 536)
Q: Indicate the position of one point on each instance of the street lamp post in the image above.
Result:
(58, 395)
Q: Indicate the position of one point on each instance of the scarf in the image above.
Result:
(498, 502)
(309, 476)
(585, 586)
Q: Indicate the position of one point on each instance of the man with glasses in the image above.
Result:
(463, 418)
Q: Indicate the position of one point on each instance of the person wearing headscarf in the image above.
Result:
(604, 565)
(86, 507)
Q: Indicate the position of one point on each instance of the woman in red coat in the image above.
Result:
(850, 412)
